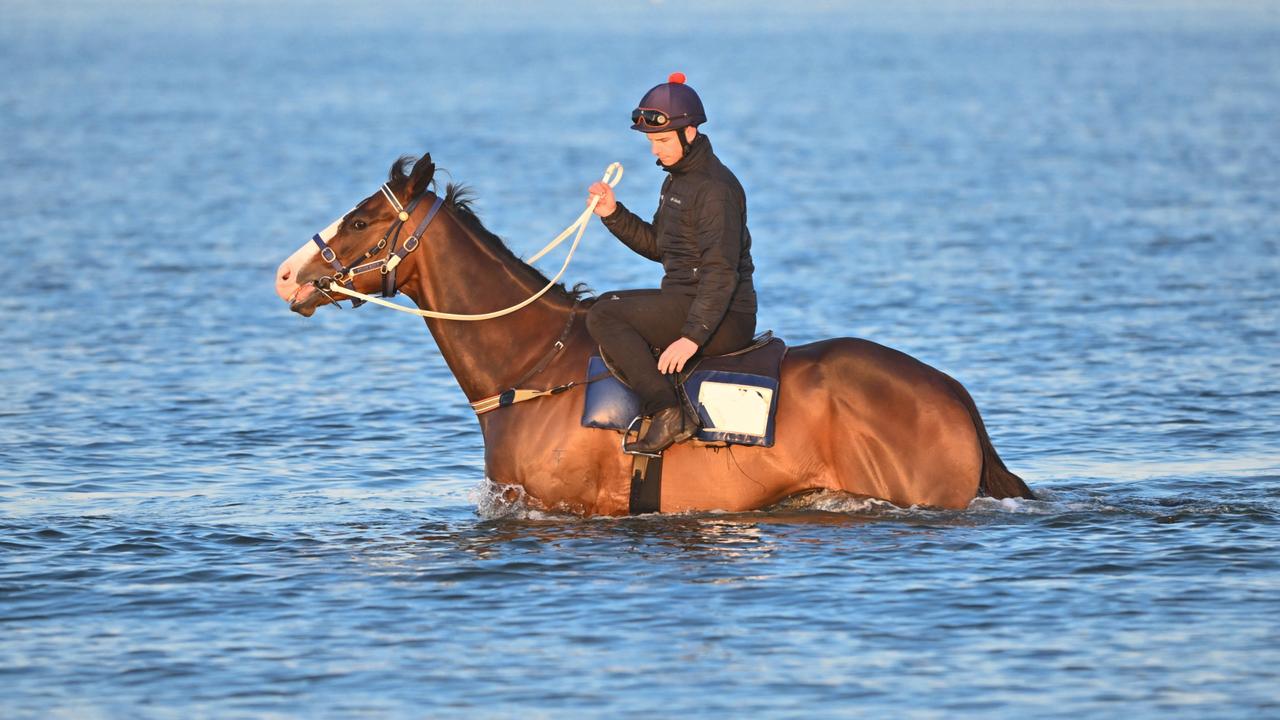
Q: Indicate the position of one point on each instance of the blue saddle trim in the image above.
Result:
(611, 405)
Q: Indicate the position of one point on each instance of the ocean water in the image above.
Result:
(210, 507)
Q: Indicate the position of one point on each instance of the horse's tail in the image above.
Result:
(996, 480)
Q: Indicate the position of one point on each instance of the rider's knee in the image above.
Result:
(598, 317)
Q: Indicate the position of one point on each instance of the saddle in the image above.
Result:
(735, 395)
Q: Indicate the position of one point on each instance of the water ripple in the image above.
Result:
(209, 507)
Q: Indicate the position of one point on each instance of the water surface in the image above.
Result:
(1073, 212)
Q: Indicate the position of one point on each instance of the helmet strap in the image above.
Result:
(684, 141)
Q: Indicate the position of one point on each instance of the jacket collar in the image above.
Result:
(694, 157)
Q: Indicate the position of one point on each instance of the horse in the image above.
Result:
(852, 416)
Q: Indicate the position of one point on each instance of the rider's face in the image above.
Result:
(666, 146)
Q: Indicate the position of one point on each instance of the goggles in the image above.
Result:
(651, 118)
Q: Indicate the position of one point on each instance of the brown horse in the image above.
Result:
(852, 416)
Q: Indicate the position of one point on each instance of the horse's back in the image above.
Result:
(888, 424)
(852, 353)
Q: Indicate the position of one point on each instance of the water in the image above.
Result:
(210, 507)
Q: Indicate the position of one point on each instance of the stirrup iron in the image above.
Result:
(626, 434)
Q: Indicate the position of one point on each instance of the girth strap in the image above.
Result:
(646, 479)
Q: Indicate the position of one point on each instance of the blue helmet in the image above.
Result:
(669, 106)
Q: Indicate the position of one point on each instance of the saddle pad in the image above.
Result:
(610, 405)
(735, 395)
(735, 408)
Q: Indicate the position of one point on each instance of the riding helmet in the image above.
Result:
(674, 99)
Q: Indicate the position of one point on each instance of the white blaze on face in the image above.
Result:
(287, 274)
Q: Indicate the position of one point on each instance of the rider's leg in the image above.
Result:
(627, 324)
(735, 332)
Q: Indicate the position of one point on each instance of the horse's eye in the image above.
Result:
(359, 224)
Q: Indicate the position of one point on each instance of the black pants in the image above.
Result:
(628, 323)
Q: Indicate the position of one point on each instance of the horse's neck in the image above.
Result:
(456, 271)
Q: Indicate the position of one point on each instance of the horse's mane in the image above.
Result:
(460, 199)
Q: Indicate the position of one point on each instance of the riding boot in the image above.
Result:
(669, 426)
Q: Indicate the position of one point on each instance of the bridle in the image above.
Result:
(612, 175)
(345, 274)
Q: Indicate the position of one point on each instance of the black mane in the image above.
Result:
(461, 200)
(400, 170)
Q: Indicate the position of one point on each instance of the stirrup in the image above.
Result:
(644, 425)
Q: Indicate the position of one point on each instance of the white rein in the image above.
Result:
(612, 175)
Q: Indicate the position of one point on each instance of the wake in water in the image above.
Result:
(497, 501)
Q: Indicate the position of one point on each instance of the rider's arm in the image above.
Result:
(632, 231)
(719, 237)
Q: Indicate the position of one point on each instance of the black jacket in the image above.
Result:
(699, 234)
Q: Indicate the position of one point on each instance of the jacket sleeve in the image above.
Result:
(718, 233)
(633, 232)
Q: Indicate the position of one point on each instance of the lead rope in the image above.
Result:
(612, 175)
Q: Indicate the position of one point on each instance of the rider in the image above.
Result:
(707, 303)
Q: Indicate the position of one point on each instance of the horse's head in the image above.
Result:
(358, 238)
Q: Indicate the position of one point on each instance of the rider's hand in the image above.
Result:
(676, 355)
(607, 203)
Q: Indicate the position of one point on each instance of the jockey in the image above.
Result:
(707, 304)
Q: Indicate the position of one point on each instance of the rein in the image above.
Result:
(612, 175)
(342, 281)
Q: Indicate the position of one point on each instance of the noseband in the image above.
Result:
(345, 274)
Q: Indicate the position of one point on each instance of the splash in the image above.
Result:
(494, 500)
(836, 501)
(1017, 506)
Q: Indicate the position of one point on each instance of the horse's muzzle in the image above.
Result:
(306, 300)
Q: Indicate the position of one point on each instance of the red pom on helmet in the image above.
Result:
(674, 99)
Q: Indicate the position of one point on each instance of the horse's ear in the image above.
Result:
(423, 171)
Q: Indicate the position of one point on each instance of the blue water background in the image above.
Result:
(210, 507)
